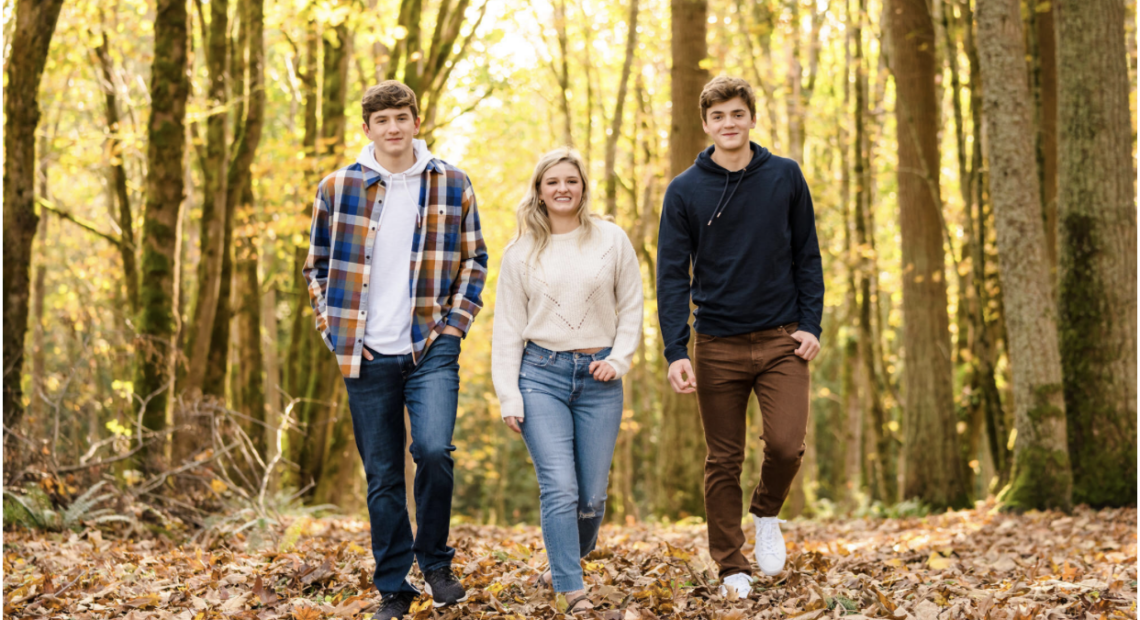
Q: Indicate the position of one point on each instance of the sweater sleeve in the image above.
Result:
(630, 307)
(674, 252)
(807, 264)
(507, 335)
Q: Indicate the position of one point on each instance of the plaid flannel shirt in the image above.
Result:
(447, 271)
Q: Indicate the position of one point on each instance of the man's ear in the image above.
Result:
(705, 126)
(417, 124)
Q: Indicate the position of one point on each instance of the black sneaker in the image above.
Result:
(443, 587)
(395, 606)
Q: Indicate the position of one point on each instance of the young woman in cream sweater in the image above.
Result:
(568, 315)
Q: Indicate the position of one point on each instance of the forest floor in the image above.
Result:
(966, 564)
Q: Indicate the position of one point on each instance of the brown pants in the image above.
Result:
(727, 369)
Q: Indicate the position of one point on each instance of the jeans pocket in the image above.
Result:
(534, 359)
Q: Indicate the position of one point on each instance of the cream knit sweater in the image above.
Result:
(578, 294)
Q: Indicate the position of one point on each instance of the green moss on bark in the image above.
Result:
(1101, 444)
(1039, 477)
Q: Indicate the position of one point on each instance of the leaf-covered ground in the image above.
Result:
(968, 564)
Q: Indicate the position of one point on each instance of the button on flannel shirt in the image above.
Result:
(447, 271)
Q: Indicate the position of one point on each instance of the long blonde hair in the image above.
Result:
(533, 218)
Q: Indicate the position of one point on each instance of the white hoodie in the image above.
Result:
(388, 328)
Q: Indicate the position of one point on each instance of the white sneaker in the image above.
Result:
(770, 550)
(740, 583)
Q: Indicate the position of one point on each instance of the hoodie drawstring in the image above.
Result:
(408, 190)
(720, 207)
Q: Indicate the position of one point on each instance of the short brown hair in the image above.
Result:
(723, 88)
(387, 95)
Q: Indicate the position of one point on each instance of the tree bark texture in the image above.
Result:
(1041, 477)
(680, 460)
(35, 25)
(249, 393)
(1047, 123)
(1097, 217)
(214, 206)
(934, 470)
(687, 79)
(156, 322)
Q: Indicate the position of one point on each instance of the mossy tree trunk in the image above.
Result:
(249, 393)
(1097, 254)
(35, 25)
(935, 472)
(214, 206)
(1041, 477)
(169, 89)
(321, 376)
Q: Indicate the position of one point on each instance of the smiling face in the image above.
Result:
(728, 124)
(561, 189)
(392, 131)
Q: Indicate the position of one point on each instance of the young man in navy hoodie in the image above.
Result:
(738, 240)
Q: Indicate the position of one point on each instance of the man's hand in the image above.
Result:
(682, 377)
(452, 330)
(513, 423)
(367, 355)
(809, 345)
(602, 370)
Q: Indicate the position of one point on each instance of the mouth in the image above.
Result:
(562, 199)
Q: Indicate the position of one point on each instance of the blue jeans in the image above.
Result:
(430, 391)
(570, 427)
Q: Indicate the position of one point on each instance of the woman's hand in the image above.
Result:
(513, 423)
(602, 370)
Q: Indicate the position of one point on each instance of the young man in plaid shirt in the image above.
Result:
(396, 268)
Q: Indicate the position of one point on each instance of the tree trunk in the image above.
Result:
(984, 337)
(35, 24)
(619, 109)
(563, 72)
(249, 393)
(934, 470)
(169, 89)
(323, 378)
(1041, 476)
(1097, 216)
(683, 437)
(269, 340)
(297, 358)
(1047, 124)
(115, 155)
(214, 206)
(333, 92)
(340, 474)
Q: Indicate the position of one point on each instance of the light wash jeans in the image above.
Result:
(570, 427)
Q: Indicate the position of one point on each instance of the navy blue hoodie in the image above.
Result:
(750, 238)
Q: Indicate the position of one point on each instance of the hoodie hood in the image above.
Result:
(408, 180)
(367, 158)
(705, 162)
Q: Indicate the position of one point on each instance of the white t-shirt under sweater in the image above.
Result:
(580, 293)
(388, 328)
